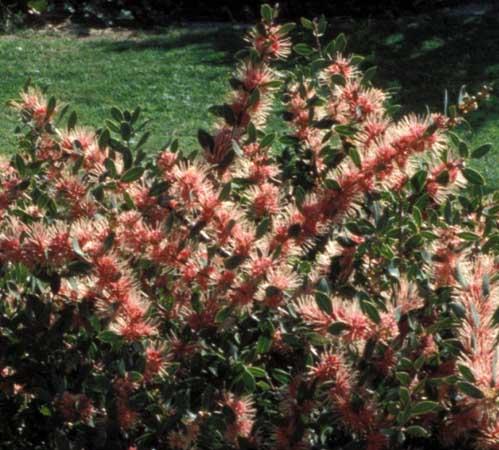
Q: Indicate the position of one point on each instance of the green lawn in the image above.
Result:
(176, 74)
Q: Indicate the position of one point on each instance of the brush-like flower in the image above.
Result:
(327, 367)
(279, 282)
(34, 105)
(479, 295)
(10, 239)
(264, 199)
(337, 261)
(340, 65)
(132, 232)
(255, 75)
(445, 178)
(356, 102)
(59, 249)
(75, 407)
(222, 141)
(126, 416)
(407, 297)
(243, 418)
(165, 161)
(309, 311)
(489, 438)
(155, 364)
(272, 45)
(446, 254)
(108, 269)
(77, 140)
(34, 248)
(190, 182)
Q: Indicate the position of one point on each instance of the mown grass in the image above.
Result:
(176, 74)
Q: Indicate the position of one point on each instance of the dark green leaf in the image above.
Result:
(266, 12)
(132, 174)
(303, 49)
(417, 431)
(470, 389)
(473, 176)
(481, 151)
(424, 407)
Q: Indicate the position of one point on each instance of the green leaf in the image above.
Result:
(116, 114)
(52, 103)
(225, 192)
(266, 12)
(344, 130)
(369, 74)
(263, 344)
(109, 337)
(338, 327)
(262, 227)
(404, 395)
(324, 302)
(19, 164)
(45, 411)
(470, 389)
(481, 151)
(473, 176)
(306, 23)
(466, 373)
(248, 380)
(132, 174)
(332, 184)
(205, 140)
(463, 149)
(424, 407)
(403, 377)
(355, 156)
(468, 236)
(417, 431)
(104, 138)
(286, 28)
(257, 372)
(223, 314)
(281, 376)
(125, 131)
(254, 97)
(39, 6)
(371, 311)
(75, 245)
(414, 242)
(418, 180)
(322, 25)
(143, 139)
(267, 140)
(236, 148)
(135, 376)
(340, 43)
(72, 120)
(111, 167)
(303, 49)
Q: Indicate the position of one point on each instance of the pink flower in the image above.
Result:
(265, 199)
(243, 416)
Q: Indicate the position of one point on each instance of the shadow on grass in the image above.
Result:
(418, 58)
(421, 58)
(223, 39)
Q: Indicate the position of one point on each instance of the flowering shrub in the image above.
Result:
(339, 294)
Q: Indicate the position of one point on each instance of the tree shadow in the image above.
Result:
(222, 41)
(420, 58)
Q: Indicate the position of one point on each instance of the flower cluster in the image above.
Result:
(339, 291)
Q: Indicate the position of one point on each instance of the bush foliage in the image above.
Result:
(338, 294)
(150, 12)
